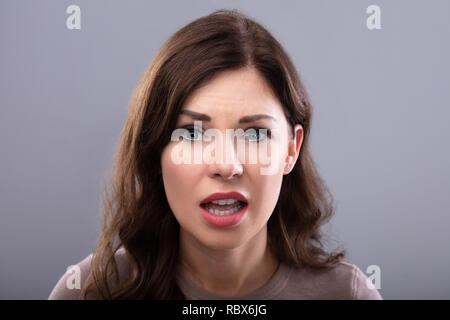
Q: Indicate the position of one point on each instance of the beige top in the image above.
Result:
(345, 281)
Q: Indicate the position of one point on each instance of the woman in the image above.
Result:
(217, 229)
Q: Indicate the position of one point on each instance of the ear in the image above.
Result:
(294, 146)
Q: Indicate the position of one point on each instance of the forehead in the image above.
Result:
(235, 92)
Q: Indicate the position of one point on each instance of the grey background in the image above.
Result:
(380, 126)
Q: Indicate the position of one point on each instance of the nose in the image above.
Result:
(228, 166)
(227, 171)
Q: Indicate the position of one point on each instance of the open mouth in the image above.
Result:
(223, 207)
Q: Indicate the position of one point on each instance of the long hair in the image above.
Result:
(135, 211)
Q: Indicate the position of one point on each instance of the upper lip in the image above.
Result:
(228, 195)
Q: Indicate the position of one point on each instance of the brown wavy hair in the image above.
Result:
(135, 211)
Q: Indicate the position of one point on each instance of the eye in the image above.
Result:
(192, 131)
(253, 134)
(257, 134)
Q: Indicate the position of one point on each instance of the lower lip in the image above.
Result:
(225, 220)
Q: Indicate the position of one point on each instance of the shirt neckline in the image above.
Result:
(276, 283)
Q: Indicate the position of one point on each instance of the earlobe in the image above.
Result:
(288, 166)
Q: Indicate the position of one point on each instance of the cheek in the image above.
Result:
(179, 181)
(266, 184)
(265, 190)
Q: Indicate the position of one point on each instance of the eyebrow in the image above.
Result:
(246, 119)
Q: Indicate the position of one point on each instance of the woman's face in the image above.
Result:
(228, 97)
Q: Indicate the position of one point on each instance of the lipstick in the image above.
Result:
(224, 209)
(222, 196)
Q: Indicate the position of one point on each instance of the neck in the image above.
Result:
(227, 271)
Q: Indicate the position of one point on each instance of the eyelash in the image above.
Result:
(268, 131)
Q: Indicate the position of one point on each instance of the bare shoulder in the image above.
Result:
(71, 283)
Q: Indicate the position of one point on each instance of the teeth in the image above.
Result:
(224, 212)
(224, 202)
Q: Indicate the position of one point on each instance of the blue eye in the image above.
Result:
(192, 130)
(257, 134)
(254, 134)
